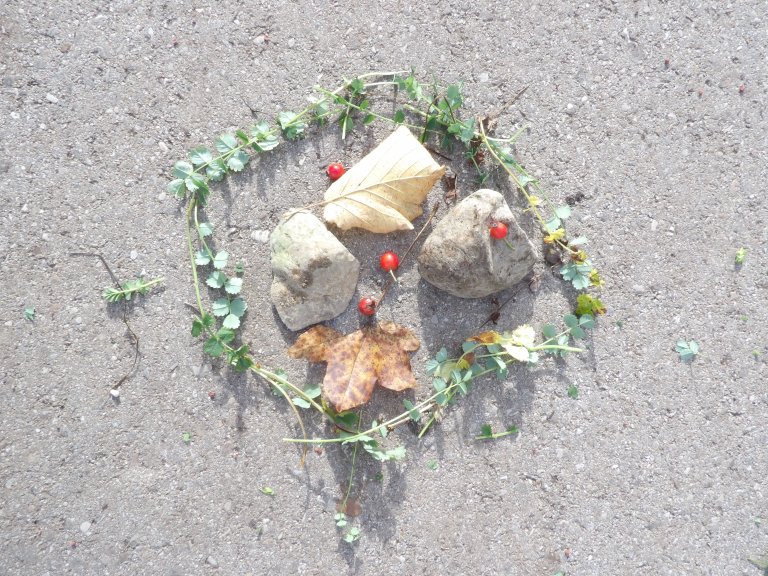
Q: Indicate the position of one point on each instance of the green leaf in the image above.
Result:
(290, 125)
(313, 390)
(220, 260)
(453, 96)
(197, 327)
(741, 255)
(225, 335)
(220, 307)
(216, 170)
(267, 491)
(182, 169)
(233, 285)
(200, 155)
(433, 464)
(238, 160)
(226, 143)
(216, 279)
(177, 187)
(205, 229)
(231, 321)
(570, 320)
(29, 313)
(368, 119)
(399, 117)
(442, 355)
(578, 241)
(552, 225)
(238, 307)
(486, 431)
(586, 304)
(578, 333)
(300, 402)
(213, 347)
(577, 274)
(563, 212)
(524, 180)
(202, 258)
(413, 413)
(587, 321)
(573, 392)
(549, 331)
(687, 350)
(186, 437)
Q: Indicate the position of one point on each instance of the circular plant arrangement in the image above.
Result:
(382, 193)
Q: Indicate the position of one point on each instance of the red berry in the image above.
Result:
(742, 87)
(367, 306)
(389, 261)
(212, 394)
(335, 171)
(499, 230)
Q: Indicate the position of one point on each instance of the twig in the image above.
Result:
(390, 281)
(133, 336)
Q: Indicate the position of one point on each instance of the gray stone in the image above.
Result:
(314, 275)
(460, 257)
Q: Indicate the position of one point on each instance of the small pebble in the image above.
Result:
(25, 208)
(638, 289)
(291, 42)
(483, 77)
(115, 392)
(85, 526)
(161, 196)
(134, 254)
(211, 561)
(163, 146)
(51, 98)
(570, 109)
(260, 236)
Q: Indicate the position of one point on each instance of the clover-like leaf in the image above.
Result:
(220, 260)
(231, 321)
(233, 285)
(220, 307)
(182, 169)
(358, 361)
(238, 160)
(216, 279)
(177, 187)
(200, 155)
(226, 143)
(238, 306)
(384, 191)
(202, 258)
(216, 170)
(205, 229)
(687, 350)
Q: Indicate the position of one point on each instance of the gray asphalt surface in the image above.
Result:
(658, 467)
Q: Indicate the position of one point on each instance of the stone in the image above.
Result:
(460, 257)
(313, 274)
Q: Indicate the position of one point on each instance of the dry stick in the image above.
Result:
(413, 243)
(136, 353)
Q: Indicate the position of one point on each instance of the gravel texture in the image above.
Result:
(650, 115)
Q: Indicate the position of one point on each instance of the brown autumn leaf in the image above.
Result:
(384, 191)
(357, 361)
(489, 337)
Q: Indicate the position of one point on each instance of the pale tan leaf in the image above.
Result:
(384, 191)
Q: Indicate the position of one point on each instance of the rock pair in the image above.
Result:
(314, 275)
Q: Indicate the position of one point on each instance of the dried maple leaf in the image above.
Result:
(357, 361)
(384, 191)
